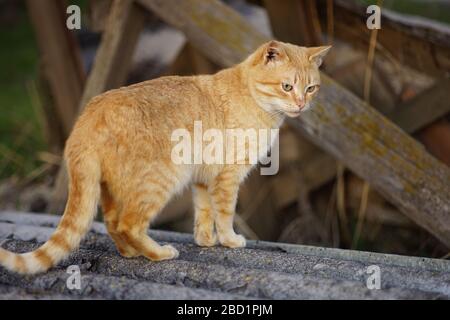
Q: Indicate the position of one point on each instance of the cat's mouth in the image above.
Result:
(293, 114)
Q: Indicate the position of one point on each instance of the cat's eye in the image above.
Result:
(287, 87)
(311, 89)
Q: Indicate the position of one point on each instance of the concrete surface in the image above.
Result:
(263, 270)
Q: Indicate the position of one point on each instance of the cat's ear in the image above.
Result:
(270, 52)
(316, 54)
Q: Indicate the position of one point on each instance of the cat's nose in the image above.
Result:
(300, 104)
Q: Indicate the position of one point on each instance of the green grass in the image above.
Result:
(20, 134)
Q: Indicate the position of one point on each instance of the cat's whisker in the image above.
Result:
(275, 113)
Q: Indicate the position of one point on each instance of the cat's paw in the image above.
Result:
(127, 251)
(233, 241)
(129, 254)
(168, 252)
(205, 239)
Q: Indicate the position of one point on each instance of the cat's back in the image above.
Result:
(161, 98)
(156, 92)
(165, 89)
(157, 105)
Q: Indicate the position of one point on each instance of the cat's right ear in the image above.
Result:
(272, 52)
(268, 53)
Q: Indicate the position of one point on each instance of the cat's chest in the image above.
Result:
(206, 173)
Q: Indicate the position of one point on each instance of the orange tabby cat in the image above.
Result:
(120, 152)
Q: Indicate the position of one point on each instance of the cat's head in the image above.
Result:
(284, 78)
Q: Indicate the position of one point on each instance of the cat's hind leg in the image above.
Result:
(111, 211)
(144, 203)
(204, 233)
(133, 225)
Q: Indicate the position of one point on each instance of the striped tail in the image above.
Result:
(84, 192)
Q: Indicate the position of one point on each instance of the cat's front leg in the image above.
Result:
(223, 193)
(204, 233)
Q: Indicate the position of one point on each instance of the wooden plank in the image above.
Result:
(424, 109)
(114, 56)
(59, 57)
(381, 153)
(52, 127)
(436, 139)
(422, 44)
(98, 13)
(189, 62)
(214, 26)
(364, 140)
(411, 116)
(293, 20)
(110, 69)
(425, 114)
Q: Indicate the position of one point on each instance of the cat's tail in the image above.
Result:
(84, 192)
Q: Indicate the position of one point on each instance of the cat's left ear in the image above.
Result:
(316, 54)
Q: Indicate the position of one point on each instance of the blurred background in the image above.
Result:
(402, 70)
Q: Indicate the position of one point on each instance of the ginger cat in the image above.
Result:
(119, 152)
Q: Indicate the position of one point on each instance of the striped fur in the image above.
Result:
(78, 215)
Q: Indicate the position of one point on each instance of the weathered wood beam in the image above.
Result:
(111, 66)
(292, 19)
(423, 109)
(114, 56)
(52, 126)
(189, 61)
(354, 132)
(98, 12)
(411, 116)
(214, 26)
(425, 114)
(291, 22)
(436, 139)
(420, 112)
(381, 153)
(60, 58)
(422, 44)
